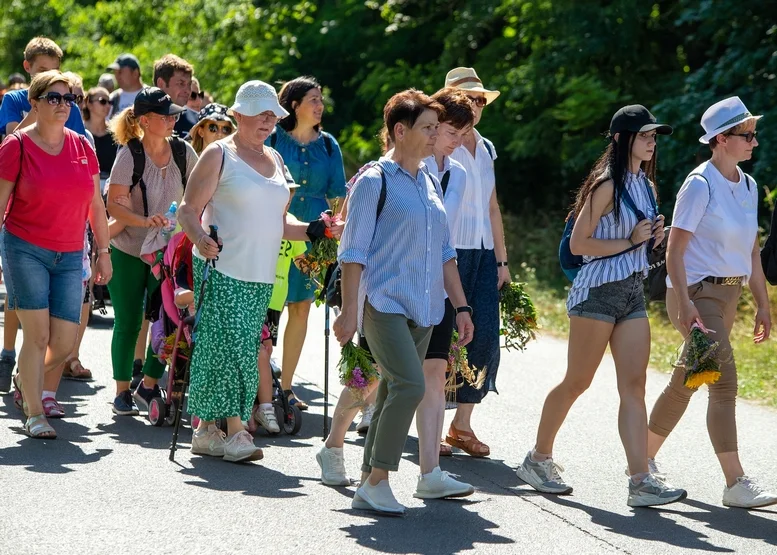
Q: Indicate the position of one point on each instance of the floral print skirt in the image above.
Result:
(224, 375)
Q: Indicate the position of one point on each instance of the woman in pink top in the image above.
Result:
(53, 175)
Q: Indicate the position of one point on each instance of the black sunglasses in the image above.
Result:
(194, 95)
(749, 136)
(54, 98)
(225, 129)
(102, 101)
(478, 101)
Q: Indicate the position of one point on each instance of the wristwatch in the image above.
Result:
(466, 308)
(106, 250)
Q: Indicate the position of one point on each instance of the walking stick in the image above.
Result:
(326, 367)
(197, 315)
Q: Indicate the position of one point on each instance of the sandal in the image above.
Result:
(301, 405)
(37, 427)
(52, 408)
(445, 450)
(18, 400)
(74, 370)
(467, 442)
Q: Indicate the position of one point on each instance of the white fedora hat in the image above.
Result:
(466, 79)
(255, 97)
(722, 116)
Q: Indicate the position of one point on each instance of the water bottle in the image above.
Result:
(172, 221)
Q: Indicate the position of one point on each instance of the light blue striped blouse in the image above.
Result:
(403, 253)
(599, 272)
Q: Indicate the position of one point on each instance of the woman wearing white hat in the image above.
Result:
(482, 258)
(713, 251)
(240, 185)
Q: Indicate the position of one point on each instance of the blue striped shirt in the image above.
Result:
(404, 251)
(598, 272)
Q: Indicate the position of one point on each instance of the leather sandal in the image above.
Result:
(467, 442)
(74, 370)
(445, 450)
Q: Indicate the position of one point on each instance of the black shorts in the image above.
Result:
(440, 343)
(272, 320)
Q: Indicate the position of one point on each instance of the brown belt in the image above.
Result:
(725, 280)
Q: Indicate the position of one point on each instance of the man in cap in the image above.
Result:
(126, 69)
(174, 75)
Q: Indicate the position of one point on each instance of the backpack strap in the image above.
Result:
(138, 167)
(747, 181)
(178, 146)
(328, 144)
(383, 190)
(488, 148)
(444, 183)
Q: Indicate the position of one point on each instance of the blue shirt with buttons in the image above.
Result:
(403, 252)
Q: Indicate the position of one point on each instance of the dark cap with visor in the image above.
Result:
(153, 100)
(637, 119)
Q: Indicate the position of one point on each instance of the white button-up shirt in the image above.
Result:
(474, 226)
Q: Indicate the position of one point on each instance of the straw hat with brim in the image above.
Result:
(255, 97)
(722, 116)
(467, 80)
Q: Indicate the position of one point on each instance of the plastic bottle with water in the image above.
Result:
(172, 221)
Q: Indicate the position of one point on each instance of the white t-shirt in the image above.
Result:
(455, 190)
(126, 99)
(723, 217)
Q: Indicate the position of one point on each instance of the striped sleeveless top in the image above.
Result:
(598, 272)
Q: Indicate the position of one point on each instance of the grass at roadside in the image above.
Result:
(756, 364)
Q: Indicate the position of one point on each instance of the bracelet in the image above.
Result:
(631, 242)
(106, 250)
(501, 264)
(465, 308)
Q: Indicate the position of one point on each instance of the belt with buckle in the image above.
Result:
(725, 280)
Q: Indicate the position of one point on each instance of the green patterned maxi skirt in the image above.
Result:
(224, 376)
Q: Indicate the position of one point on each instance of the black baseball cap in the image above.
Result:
(125, 60)
(153, 100)
(637, 119)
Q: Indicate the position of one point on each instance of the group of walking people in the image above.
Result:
(422, 254)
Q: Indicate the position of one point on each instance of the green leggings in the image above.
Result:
(131, 279)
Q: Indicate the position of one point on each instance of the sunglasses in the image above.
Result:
(225, 129)
(478, 101)
(102, 101)
(196, 95)
(749, 136)
(54, 98)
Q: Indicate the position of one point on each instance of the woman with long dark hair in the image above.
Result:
(316, 164)
(616, 221)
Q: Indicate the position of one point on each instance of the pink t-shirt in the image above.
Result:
(53, 193)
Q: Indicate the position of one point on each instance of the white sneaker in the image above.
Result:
(364, 423)
(240, 447)
(438, 484)
(332, 463)
(209, 442)
(543, 476)
(266, 419)
(747, 494)
(652, 469)
(359, 503)
(380, 497)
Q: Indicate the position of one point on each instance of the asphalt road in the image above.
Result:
(106, 485)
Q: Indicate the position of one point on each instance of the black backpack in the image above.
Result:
(769, 252)
(332, 290)
(178, 147)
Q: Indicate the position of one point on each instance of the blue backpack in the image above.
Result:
(571, 263)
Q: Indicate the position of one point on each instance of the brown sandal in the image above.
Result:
(445, 450)
(74, 370)
(467, 442)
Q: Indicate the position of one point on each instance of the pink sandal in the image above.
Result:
(18, 400)
(52, 408)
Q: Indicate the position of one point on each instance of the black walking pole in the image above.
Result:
(326, 366)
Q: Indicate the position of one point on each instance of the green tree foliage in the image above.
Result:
(563, 66)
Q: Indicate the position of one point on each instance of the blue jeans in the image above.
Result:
(38, 278)
(477, 269)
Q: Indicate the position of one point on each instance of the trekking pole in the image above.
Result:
(179, 406)
(326, 367)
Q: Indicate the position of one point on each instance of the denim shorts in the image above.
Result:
(614, 302)
(38, 278)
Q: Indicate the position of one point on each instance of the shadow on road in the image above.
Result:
(426, 530)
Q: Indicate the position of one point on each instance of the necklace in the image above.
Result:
(50, 146)
(259, 151)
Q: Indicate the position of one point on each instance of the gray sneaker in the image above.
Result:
(652, 468)
(653, 491)
(6, 370)
(543, 476)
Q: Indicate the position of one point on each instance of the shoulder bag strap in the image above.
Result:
(19, 138)
(383, 191)
(138, 167)
(444, 183)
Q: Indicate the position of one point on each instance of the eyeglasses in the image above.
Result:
(268, 116)
(54, 98)
(749, 136)
(196, 95)
(479, 101)
(102, 101)
(225, 129)
(168, 119)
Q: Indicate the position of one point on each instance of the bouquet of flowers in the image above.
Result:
(165, 352)
(701, 363)
(458, 365)
(322, 254)
(357, 369)
(519, 316)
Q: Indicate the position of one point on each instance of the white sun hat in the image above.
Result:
(722, 116)
(255, 97)
(466, 79)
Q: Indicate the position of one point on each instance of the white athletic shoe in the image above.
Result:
(266, 419)
(747, 494)
(209, 442)
(380, 498)
(364, 424)
(439, 484)
(332, 463)
(240, 447)
(543, 476)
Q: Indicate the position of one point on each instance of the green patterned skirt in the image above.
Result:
(224, 376)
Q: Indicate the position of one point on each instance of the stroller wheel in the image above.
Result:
(157, 411)
(170, 418)
(292, 423)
